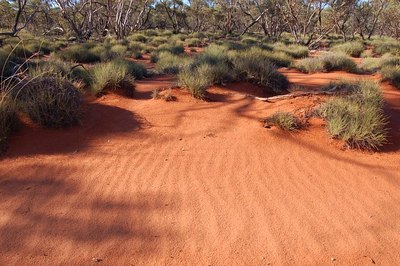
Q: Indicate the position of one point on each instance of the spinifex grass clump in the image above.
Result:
(350, 48)
(357, 118)
(8, 116)
(326, 63)
(256, 66)
(293, 50)
(170, 63)
(391, 73)
(50, 101)
(284, 120)
(115, 75)
(80, 53)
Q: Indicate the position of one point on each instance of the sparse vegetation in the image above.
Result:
(80, 54)
(350, 48)
(326, 63)
(170, 63)
(255, 66)
(358, 118)
(284, 120)
(8, 117)
(112, 76)
(391, 73)
(50, 102)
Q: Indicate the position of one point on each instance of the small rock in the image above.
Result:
(333, 259)
(97, 260)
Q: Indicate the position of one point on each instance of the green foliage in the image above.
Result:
(8, 116)
(114, 75)
(172, 48)
(391, 73)
(119, 49)
(196, 80)
(256, 66)
(157, 41)
(6, 63)
(193, 42)
(293, 50)
(50, 102)
(284, 120)
(136, 70)
(374, 64)
(249, 41)
(326, 63)
(137, 38)
(354, 48)
(170, 63)
(79, 53)
(358, 118)
(386, 45)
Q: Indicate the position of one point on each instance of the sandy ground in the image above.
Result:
(149, 182)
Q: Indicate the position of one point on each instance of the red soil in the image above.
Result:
(150, 182)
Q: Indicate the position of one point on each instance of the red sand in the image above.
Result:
(149, 182)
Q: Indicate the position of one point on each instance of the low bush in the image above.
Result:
(193, 42)
(354, 48)
(326, 63)
(391, 73)
(170, 63)
(255, 66)
(294, 50)
(157, 41)
(113, 75)
(136, 70)
(60, 69)
(7, 64)
(50, 101)
(103, 52)
(137, 38)
(79, 53)
(172, 48)
(196, 80)
(249, 41)
(358, 118)
(119, 49)
(374, 64)
(284, 120)
(386, 45)
(8, 117)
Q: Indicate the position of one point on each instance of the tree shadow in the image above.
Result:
(99, 120)
(43, 209)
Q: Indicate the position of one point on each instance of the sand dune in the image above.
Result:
(148, 182)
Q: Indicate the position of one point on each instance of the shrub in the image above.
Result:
(103, 52)
(255, 66)
(60, 69)
(387, 45)
(193, 42)
(284, 120)
(8, 117)
(80, 54)
(358, 118)
(150, 33)
(249, 41)
(350, 48)
(136, 70)
(157, 41)
(294, 50)
(50, 101)
(6, 64)
(170, 63)
(310, 65)
(195, 80)
(172, 48)
(327, 62)
(199, 35)
(391, 73)
(375, 64)
(112, 76)
(137, 38)
(119, 49)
